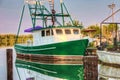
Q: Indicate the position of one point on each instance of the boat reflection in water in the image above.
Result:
(108, 72)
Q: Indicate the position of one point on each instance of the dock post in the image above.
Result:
(90, 67)
(9, 53)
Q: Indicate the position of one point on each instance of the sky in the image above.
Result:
(89, 12)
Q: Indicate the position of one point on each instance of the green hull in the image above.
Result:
(77, 47)
(69, 69)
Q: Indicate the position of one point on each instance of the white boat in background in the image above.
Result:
(108, 72)
(109, 57)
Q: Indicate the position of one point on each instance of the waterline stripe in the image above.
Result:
(47, 63)
(51, 59)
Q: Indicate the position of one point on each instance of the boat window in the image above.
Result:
(47, 32)
(59, 31)
(67, 31)
(75, 31)
(43, 33)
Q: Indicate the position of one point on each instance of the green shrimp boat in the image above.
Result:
(57, 49)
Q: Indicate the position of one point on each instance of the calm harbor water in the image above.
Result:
(105, 72)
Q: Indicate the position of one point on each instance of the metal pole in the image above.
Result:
(115, 38)
(101, 35)
(42, 11)
(34, 20)
(68, 13)
(20, 23)
(61, 2)
(112, 6)
(112, 15)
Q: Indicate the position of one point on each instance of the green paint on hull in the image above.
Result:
(77, 47)
(68, 72)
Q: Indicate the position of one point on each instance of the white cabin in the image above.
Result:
(55, 35)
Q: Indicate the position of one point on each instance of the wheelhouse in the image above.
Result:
(55, 35)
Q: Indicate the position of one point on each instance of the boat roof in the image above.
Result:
(33, 28)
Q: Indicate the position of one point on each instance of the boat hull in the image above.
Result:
(61, 60)
(109, 72)
(77, 47)
(109, 57)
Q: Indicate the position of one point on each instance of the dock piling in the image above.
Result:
(9, 53)
(90, 67)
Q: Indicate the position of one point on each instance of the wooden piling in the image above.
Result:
(9, 53)
(90, 67)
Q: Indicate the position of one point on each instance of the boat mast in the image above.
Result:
(40, 14)
(51, 3)
(54, 15)
(68, 13)
(61, 3)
